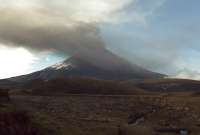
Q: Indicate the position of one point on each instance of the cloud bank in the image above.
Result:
(41, 36)
(50, 24)
(70, 26)
(66, 25)
(187, 74)
(71, 10)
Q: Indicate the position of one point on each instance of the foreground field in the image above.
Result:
(83, 106)
(155, 114)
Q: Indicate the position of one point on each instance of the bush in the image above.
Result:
(17, 123)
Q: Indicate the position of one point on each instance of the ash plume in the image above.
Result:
(58, 26)
(79, 38)
(64, 25)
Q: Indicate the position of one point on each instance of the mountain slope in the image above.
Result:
(109, 66)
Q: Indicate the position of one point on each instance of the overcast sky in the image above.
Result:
(160, 35)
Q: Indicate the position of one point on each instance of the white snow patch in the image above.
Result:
(61, 66)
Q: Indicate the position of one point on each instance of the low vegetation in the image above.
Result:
(79, 86)
(17, 123)
(89, 106)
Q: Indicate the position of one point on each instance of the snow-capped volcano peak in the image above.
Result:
(61, 65)
(108, 67)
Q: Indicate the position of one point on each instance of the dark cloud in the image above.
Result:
(80, 38)
(64, 25)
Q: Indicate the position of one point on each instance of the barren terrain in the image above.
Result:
(157, 114)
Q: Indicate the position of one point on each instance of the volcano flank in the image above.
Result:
(104, 65)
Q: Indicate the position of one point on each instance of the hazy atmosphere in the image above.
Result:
(159, 35)
(99, 67)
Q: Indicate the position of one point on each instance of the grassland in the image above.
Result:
(148, 107)
(111, 115)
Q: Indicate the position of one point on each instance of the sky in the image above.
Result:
(159, 35)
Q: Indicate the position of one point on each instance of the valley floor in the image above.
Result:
(154, 114)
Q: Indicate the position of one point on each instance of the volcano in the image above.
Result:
(103, 65)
